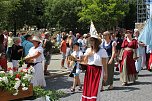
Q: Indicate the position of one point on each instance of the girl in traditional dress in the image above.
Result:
(97, 60)
(141, 61)
(127, 59)
(110, 47)
(36, 55)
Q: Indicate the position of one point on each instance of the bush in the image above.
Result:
(54, 95)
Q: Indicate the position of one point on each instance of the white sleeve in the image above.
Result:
(73, 53)
(103, 53)
(87, 51)
(80, 53)
(114, 43)
(40, 49)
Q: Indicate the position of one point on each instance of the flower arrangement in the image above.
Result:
(11, 81)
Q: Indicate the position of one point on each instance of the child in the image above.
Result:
(3, 61)
(17, 52)
(63, 50)
(77, 54)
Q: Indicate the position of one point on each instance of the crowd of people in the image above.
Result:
(97, 55)
(102, 54)
(32, 49)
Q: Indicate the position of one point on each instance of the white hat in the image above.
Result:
(36, 38)
(94, 36)
(93, 31)
(84, 35)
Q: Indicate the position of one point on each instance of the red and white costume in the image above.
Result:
(93, 76)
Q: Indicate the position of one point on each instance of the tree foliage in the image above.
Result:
(65, 15)
(106, 14)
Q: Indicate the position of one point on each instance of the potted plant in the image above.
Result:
(15, 85)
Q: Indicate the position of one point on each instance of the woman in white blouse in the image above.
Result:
(36, 54)
(96, 71)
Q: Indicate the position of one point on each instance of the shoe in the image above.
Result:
(46, 73)
(110, 87)
(124, 84)
(80, 88)
(72, 90)
(63, 67)
(102, 89)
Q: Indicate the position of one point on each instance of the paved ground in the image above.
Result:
(141, 91)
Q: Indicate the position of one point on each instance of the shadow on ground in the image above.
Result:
(126, 88)
(60, 83)
(145, 75)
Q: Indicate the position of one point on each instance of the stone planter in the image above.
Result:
(7, 96)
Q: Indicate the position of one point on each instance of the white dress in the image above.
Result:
(38, 76)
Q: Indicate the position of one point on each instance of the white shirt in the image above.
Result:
(77, 54)
(96, 59)
(114, 43)
(34, 50)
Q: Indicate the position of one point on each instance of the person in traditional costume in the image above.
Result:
(127, 59)
(149, 60)
(141, 61)
(96, 70)
(110, 47)
(35, 58)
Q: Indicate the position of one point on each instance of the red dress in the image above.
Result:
(149, 67)
(127, 64)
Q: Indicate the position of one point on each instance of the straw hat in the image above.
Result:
(36, 38)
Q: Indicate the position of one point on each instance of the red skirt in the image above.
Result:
(3, 64)
(150, 62)
(92, 83)
(128, 58)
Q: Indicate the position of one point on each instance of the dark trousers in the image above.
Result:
(9, 53)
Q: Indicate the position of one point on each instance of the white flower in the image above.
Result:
(25, 88)
(23, 84)
(2, 72)
(17, 84)
(11, 72)
(15, 93)
(17, 79)
(5, 80)
(31, 70)
(28, 77)
(0, 79)
(25, 70)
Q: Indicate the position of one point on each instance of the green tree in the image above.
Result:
(106, 14)
(62, 14)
